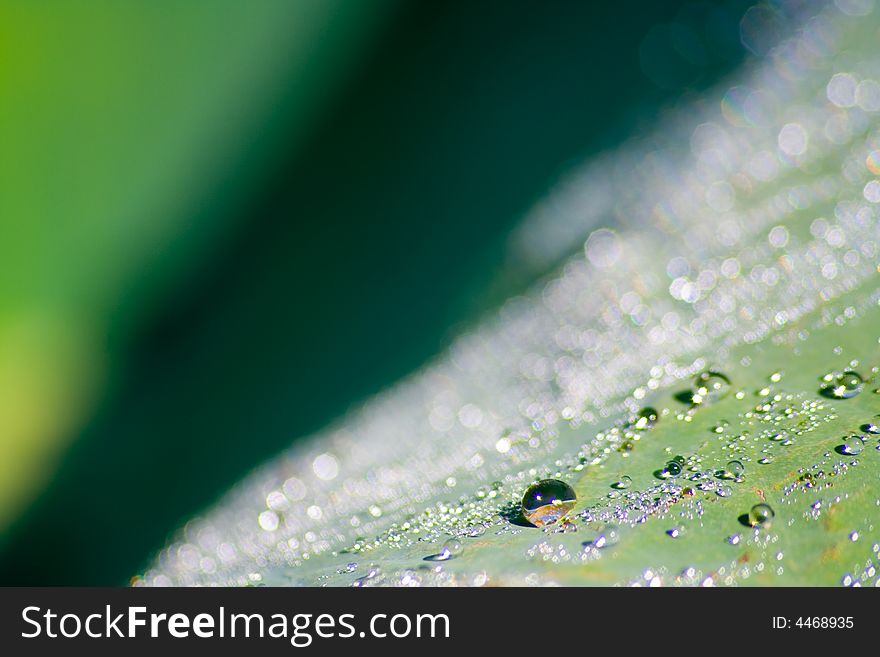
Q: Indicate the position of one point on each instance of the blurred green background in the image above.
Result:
(222, 224)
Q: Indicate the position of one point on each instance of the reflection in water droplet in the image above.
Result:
(735, 468)
(451, 548)
(761, 515)
(606, 538)
(547, 501)
(709, 387)
(624, 482)
(647, 418)
(853, 445)
(674, 467)
(847, 385)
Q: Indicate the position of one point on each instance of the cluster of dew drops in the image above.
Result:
(549, 503)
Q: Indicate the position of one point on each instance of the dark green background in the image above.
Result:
(356, 258)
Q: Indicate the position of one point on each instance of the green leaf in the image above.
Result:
(742, 243)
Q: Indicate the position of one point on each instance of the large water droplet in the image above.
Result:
(761, 515)
(853, 445)
(709, 387)
(646, 418)
(845, 386)
(674, 466)
(547, 501)
(735, 468)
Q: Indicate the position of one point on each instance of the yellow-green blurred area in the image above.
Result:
(223, 223)
(117, 120)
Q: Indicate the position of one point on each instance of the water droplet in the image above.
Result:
(735, 468)
(761, 515)
(723, 491)
(871, 428)
(646, 418)
(675, 532)
(766, 460)
(853, 445)
(451, 548)
(624, 482)
(710, 387)
(845, 386)
(373, 573)
(606, 538)
(547, 501)
(475, 532)
(734, 539)
(673, 468)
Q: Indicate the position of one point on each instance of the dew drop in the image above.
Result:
(624, 482)
(870, 427)
(853, 445)
(673, 468)
(547, 501)
(735, 468)
(761, 515)
(606, 538)
(845, 386)
(710, 386)
(475, 532)
(646, 418)
(451, 548)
